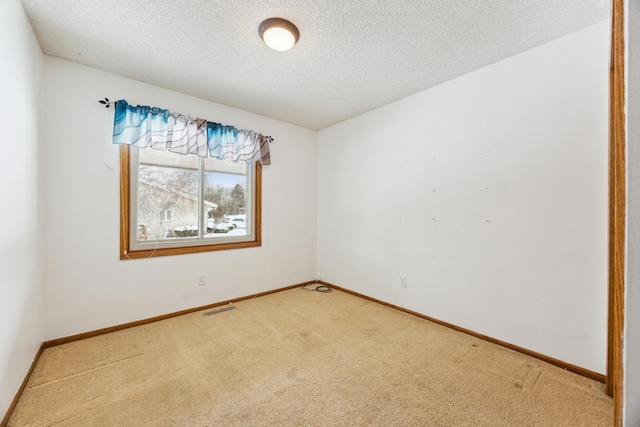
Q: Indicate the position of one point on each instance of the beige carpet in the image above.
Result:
(299, 358)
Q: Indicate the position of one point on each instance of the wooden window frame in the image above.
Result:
(207, 246)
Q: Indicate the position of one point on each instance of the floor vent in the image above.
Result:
(220, 310)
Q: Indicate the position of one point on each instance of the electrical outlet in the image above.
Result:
(403, 282)
(202, 279)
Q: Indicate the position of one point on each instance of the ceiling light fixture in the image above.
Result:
(279, 34)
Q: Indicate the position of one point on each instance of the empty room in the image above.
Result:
(319, 213)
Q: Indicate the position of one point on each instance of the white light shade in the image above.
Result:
(279, 34)
(278, 39)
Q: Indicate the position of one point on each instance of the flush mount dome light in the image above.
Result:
(279, 34)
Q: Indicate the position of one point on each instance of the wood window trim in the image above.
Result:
(125, 215)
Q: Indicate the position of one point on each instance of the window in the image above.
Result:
(176, 204)
(166, 215)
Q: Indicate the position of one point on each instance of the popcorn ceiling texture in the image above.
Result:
(353, 56)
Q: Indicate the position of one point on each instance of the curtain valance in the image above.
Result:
(142, 126)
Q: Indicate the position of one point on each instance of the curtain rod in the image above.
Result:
(108, 103)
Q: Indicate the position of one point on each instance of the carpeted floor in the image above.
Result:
(299, 358)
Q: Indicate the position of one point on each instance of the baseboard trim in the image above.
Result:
(564, 365)
(14, 402)
(97, 332)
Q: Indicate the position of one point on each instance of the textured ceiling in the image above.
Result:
(353, 55)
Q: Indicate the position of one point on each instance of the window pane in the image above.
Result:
(226, 198)
(167, 196)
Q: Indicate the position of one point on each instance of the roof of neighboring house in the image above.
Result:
(181, 194)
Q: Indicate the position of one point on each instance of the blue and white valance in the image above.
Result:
(142, 126)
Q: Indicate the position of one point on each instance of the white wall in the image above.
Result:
(87, 286)
(489, 193)
(631, 394)
(21, 293)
